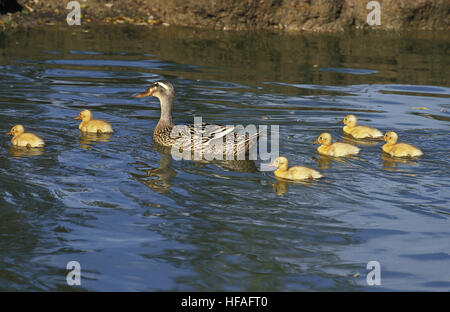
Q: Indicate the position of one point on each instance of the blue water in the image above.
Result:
(137, 220)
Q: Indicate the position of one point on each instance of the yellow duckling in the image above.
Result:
(92, 125)
(359, 132)
(21, 138)
(399, 149)
(337, 149)
(293, 173)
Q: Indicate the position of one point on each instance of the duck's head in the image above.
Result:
(390, 137)
(325, 139)
(280, 162)
(350, 120)
(160, 89)
(85, 115)
(16, 130)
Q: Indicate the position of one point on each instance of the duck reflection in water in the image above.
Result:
(158, 179)
(164, 173)
(281, 186)
(324, 161)
(390, 163)
(87, 138)
(20, 151)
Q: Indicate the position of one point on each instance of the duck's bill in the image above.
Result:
(78, 117)
(316, 142)
(9, 133)
(143, 94)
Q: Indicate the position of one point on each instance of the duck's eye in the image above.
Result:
(320, 138)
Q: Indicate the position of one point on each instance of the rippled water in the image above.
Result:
(136, 219)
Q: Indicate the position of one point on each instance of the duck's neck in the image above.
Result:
(348, 128)
(387, 147)
(324, 148)
(283, 167)
(166, 110)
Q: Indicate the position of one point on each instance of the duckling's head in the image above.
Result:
(160, 89)
(350, 120)
(391, 137)
(324, 139)
(85, 115)
(280, 162)
(16, 130)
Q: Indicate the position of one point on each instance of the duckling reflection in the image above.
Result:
(389, 162)
(280, 188)
(164, 173)
(324, 161)
(87, 138)
(20, 151)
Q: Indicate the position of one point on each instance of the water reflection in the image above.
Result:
(281, 186)
(390, 163)
(324, 161)
(87, 139)
(158, 179)
(21, 151)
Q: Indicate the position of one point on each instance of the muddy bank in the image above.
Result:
(275, 15)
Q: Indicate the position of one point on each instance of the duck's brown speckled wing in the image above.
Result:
(206, 137)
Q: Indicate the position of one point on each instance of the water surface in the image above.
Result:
(137, 220)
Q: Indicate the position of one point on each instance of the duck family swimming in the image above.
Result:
(242, 143)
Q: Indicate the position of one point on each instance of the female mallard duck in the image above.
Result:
(337, 149)
(399, 149)
(359, 132)
(293, 173)
(215, 139)
(21, 138)
(92, 125)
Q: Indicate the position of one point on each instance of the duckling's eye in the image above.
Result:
(320, 138)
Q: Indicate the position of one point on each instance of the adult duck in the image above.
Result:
(208, 139)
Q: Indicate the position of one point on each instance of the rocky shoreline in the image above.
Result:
(273, 15)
